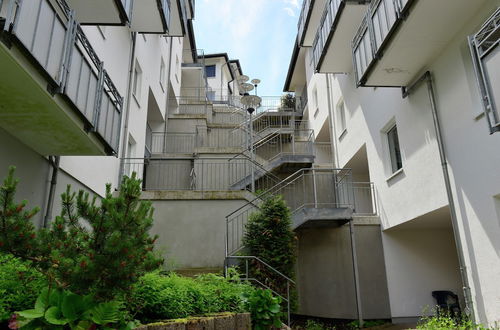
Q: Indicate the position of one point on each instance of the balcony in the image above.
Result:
(152, 16)
(56, 95)
(399, 38)
(309, 19)
(102, 12)
(178, 18)
(332, 51)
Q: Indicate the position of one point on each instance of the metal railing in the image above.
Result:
(316, 188)
(218, 138)
(266, 272)
(328, 19)
(65, 54)
(365, 200)
(199, 174)
(172, 143)
(228, 117)
(301, 24)
(299, 143)
(381, 20)
(323, 153)
(193, 105)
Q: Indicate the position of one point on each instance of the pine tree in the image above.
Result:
(92, 247)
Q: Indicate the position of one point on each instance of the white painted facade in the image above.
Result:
(419, 246)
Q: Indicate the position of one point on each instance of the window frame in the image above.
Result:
(481, 46)
(341, 117)
(394, 148)
(137, 82)
(214, 72)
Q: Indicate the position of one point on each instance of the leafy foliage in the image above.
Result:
(62, 309)
(20, 284)
(90, 248)
(287, 102)
(265, 309)
(446, 321)
(269, 236)
(159, 297)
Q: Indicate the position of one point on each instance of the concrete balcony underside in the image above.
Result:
(311, 217)
(101, 12)
(45, 123)
(152, 16)
(178, 16)
(420, 32)
(335, 55)
(309, 21)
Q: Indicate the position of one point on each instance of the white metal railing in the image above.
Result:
(58, 44)
(323, 153)
(365, 201)
(328, 19)
(381, 20)
(173, 143)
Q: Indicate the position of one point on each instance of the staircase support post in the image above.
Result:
(356, 273)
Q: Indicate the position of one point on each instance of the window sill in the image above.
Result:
(395, 174)
(343, 134)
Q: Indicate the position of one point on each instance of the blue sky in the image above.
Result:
(260, 33)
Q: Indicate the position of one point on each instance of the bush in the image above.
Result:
(20, 284)
(269, 236)
(99, 248)
(445, 321)
(159, 297)
(265, 309)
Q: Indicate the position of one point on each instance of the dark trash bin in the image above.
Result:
(447, 303)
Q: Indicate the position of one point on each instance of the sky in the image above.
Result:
(260, 33)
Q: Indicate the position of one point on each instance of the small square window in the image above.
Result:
(210, 71)
(394, 150)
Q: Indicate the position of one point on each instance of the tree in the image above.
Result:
(287, 102)
(269, 236)
(90, 248)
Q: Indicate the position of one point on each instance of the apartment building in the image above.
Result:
(82, 82)
(407, 93)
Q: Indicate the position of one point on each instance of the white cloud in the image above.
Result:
(289, 11)
(294, 3)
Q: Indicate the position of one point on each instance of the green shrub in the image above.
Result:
(99, 248)
(20, 284)
(445, 321)
(265, 309)
(61, 309)
(159, 297)
(313, 325)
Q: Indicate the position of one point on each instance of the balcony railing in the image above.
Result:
(173, 143)
(207, 174)
(323, 153)
(301, 25)
(365, 200)
(60, 48)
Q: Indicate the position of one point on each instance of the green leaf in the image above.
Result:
(41, 303)
(53, 315)
(72, 306)
(104, 313)
(82, 325)
(55, 297)
(31, 313)
(274, 308)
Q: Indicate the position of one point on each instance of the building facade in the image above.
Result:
(408, 108)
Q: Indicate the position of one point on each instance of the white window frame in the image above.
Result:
(482, 45)
(162, 74)
(341, 118)
(394, 148)
(137, 83)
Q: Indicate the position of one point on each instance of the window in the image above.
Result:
(136, 88)
(162, 72)
(485, 52)
(210, 71)
(315, 102)
(341, 117)
(394, 151)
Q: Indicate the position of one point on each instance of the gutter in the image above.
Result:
(427, 77)
(127, 109)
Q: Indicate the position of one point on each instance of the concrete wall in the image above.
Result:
(325, 273)
(191, 229)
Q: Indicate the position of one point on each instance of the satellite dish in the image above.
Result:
(243, 79)
(255, 81)
(246, 87)
(251, 100)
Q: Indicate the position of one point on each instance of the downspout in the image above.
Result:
(427, 77)
(167, 93)
(127, 108)
(54, 161)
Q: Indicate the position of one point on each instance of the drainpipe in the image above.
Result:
(127, 108)
(427, 77)
(167, 93)
(54, 161)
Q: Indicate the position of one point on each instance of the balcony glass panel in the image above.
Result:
(383, 16)
(303, 17)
